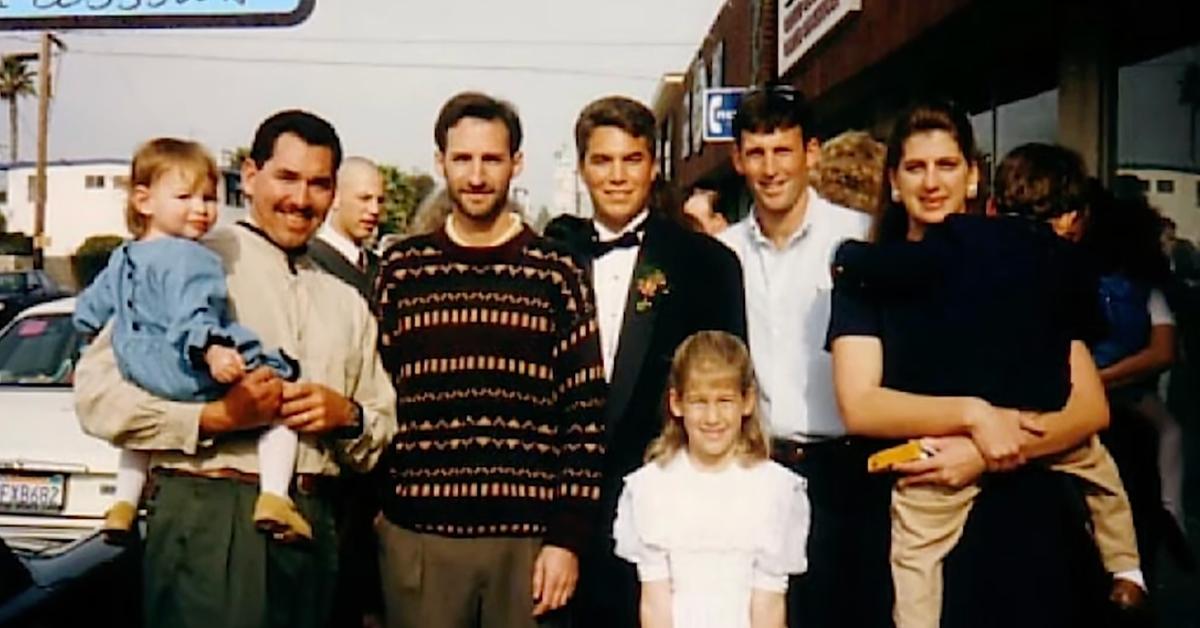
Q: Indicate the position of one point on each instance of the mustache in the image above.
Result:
(305, 212)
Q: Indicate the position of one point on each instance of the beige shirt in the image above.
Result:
(311, 315)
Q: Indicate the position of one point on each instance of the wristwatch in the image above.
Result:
(355, 428)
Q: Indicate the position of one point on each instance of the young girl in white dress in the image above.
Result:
(714, 527)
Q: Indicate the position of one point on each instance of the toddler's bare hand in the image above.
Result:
(225, 364)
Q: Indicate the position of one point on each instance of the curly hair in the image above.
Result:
(851, 171)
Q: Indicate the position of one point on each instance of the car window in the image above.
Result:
(12, 283)
(39, 350)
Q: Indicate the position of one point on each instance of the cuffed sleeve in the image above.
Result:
(119, 412)
(373, 392)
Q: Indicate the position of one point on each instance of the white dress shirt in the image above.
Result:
(341, 244)
(612, 274)
(788, 293)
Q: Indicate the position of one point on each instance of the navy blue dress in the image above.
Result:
(988, 307)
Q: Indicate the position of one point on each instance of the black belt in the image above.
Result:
(790, 452)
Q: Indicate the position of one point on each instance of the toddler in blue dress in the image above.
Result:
(172, 333)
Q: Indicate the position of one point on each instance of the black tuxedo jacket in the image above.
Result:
(332, 262)
(704, 292)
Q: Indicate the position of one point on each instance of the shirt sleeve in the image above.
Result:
(581, 393)
(853, 312)
(198, 303)
(97, 304)
(123, 414)
(651, 561)
(373, 391)
(1160, 312)
(785, 538)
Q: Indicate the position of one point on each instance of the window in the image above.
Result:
(1197, 193)
(1144, 184)
(121, 182)
(1164, 186)
(93, 182)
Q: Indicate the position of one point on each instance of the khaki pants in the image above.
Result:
(927, 522)
(432, 581)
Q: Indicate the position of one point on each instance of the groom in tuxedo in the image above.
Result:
(655, 284)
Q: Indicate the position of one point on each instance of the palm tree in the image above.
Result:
(16, 80)
(1189, 94)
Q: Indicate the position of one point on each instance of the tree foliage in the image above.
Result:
(403, 192)
(16, 81)
(91, 257)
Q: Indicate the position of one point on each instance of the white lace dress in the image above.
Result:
(714, 535)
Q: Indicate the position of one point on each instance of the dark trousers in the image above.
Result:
(608, 591)
(849, 580)
(206, 565)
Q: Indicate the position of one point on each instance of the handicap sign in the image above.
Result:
(720, 104)
(76, 14)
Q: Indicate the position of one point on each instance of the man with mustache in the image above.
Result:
(489, 333)
(656, 283)
(204, 563)
(339, 247)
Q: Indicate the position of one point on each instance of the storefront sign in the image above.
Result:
(720, 105)
(75, 14)
(802, 23)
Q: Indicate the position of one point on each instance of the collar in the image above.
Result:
(340, 243)
(815, 204)
(513, 230)
(605, 234)
(290, 254)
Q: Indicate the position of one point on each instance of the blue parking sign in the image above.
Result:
(720, 104)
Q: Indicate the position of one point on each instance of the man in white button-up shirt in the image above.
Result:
(340, 245)
(656, 283)
(785, 246)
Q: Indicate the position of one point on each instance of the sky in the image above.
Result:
(378, 69)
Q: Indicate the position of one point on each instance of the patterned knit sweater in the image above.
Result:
(495, 356)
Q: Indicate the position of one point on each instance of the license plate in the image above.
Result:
(32, 493)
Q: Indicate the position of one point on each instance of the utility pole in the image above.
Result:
(39, 208)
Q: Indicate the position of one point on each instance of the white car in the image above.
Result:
(55, 481)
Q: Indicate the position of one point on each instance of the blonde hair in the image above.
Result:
(851, 171)
(710, 350)
(158, 157)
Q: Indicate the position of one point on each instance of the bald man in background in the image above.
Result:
(339, 249)
(339, 246)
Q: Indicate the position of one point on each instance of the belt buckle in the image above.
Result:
(789, 452)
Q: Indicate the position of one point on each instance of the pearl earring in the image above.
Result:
(895, 195)
(972, 190)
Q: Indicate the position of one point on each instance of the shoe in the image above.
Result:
(118, 528)
(1127, 595)
(277, 515)
(119, 517)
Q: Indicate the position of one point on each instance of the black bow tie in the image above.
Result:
(628, 240)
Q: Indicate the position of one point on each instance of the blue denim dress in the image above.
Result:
(169, 299)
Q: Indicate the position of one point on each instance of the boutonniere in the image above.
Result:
(651, 282)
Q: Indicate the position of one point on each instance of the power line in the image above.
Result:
(399, 41)
(530, 69)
